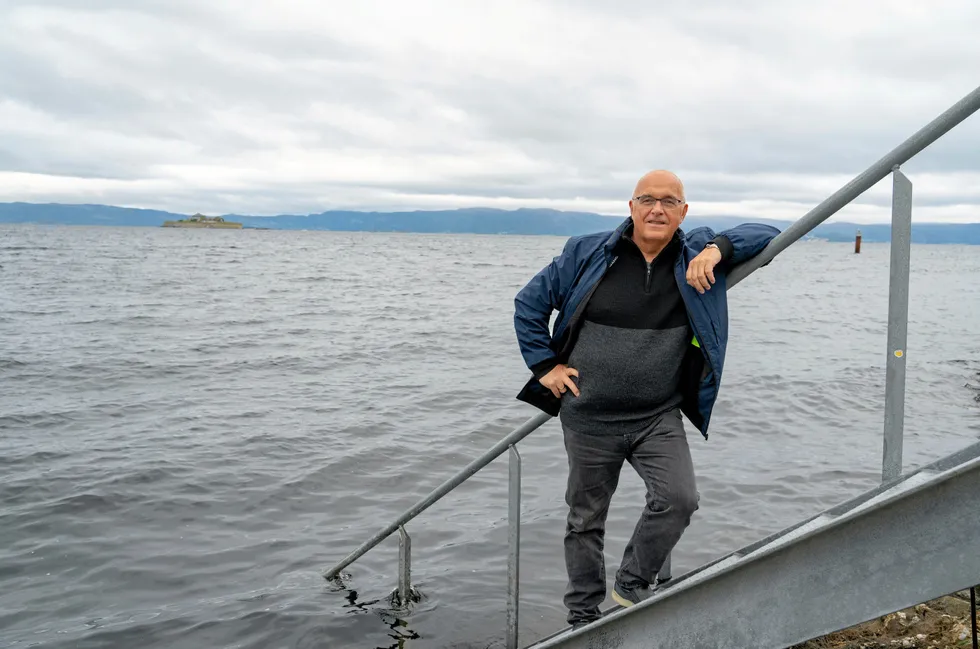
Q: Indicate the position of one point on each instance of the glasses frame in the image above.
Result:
(651, 201)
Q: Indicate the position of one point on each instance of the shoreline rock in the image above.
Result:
(938, 624)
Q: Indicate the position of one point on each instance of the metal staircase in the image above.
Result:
(910, 540)
(914, 538)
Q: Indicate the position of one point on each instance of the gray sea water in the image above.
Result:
(195, 424)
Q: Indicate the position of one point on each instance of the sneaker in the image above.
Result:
(627, 597)
(578, 624)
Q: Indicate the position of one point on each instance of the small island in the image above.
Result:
(201, 221)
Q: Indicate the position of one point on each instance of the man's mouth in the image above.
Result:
(656, 221)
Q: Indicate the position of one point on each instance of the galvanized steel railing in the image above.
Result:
(404, 593)
(895, 366)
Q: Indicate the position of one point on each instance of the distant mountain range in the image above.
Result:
(469, 220)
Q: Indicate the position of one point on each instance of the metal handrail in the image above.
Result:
(895, 379)
(498, 449)
(860, 184)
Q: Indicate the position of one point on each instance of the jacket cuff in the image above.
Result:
(724, 246)
(542, 368)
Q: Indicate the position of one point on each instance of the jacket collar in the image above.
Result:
(616, 235)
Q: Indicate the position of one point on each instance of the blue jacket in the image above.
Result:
(566, 284)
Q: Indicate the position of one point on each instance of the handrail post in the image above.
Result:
(496, 451)
(898, 320)
(973, 614)
(514, 547)
(404, 567)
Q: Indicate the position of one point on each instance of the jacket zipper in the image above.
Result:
(704, 348)
(701, 341)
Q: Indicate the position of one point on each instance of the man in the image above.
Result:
(640, 337)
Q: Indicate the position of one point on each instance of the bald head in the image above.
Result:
(660, 179)
(657, 208)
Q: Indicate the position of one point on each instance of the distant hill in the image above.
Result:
(468, 220)
(962, 233)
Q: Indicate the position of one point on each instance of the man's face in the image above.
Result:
(657, 220)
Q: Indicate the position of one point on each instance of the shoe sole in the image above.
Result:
(622, 601)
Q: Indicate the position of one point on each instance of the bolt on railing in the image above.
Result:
(895, 366)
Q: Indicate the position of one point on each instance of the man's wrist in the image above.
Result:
(723, 245)
(542, 368)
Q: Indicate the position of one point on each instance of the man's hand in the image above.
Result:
(700, 272)
(559, 379)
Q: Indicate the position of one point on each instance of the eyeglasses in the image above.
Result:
(669, 202)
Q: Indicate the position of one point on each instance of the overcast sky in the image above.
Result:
(764, 107)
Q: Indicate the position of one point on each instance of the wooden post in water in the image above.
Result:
(857, 243)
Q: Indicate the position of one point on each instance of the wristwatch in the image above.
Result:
(712, 244)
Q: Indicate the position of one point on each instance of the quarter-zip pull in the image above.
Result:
(649, 273)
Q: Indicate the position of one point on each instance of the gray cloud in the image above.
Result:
(764, 107)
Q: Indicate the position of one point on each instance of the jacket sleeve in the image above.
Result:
(744, 241)
(533, 306)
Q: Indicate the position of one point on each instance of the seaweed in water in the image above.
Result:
(391, 617)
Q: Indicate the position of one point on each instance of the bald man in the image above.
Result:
(639, 340)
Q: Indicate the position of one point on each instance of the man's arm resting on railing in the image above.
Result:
(744, 241)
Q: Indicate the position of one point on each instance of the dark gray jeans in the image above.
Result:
(660, 455)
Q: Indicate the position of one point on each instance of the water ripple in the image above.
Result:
(193, 427)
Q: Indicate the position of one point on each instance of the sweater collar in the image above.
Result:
(624, 234)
